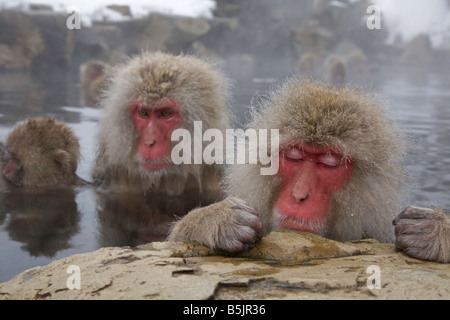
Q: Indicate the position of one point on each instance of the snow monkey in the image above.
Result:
(93, 74)
(146, 99)
(4, 158)
(340, 176)
(41, 152)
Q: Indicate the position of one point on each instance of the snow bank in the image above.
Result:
(408, 18)
(97, 10)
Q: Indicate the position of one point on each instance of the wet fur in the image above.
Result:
(423, 233)
(312, 113)
(48, 151)
(316, 114)
(91, 87)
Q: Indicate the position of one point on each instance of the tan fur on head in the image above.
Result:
(48, 151)
(312, 113)
(93, 74)
(3, 154)
(197, 87)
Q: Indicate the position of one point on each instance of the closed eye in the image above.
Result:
(294, 154)
(329, 160)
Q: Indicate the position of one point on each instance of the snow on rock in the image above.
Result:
(98, 10)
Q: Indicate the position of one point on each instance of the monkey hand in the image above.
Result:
(423, 233)
(230, 225)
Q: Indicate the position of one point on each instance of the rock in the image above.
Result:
(28, 40)
(289, 248)
(203, 52)
(284, 265)
(21, 41)
(227, 8)
(58, 50)
(114, 41)
(122, 9)
(165, 32)
(186, 31)
(101, 42)
(38, 7)
(221, 35)
(156, 31)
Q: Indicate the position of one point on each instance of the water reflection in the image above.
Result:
(43, 223)
(39, 227)
(132, 219)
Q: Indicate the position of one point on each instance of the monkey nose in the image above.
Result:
(300, 192)
(150, 143)
(300, 196)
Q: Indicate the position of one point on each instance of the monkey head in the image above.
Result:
(339, 176)
(339, 164)
(42, 152)
(93, 74)
(147, 98)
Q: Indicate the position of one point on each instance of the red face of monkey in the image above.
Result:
(310, 175)
(13, 171)
(155, 125)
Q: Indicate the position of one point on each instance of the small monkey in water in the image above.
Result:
(41, 152)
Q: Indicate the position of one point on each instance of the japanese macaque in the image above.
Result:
(148, 98)
(41, 152)
(93, 75)
(3, 153)
(331, 69)
(337, 72)
(340, 176)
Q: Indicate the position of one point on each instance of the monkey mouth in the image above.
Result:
(154, 164)
(283, 221)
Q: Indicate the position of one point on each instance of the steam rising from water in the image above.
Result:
(408, 18)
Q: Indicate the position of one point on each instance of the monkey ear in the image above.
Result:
(62, 160)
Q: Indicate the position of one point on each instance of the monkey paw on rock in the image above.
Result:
(230, 225)
(423, 233)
